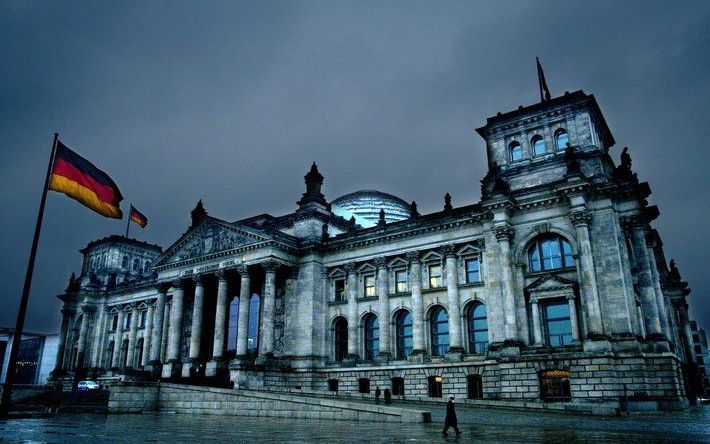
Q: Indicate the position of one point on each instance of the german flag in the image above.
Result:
(82, 181)
(138, 217)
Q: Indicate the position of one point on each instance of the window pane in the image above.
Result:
(534, 259)
(434, 276)
(560, 310)
(567, 250)
(401, 280)
(369, 286)
(516, 152)
(439, 332)
(339, 290)
(551, 254)
(538, 145)
(472, 271)
(562, 139)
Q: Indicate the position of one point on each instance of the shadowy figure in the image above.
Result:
(388, 397)
(378, 392)
(451, 420)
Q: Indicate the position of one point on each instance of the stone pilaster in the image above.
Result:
(660, 298)
(99, 328)
(83, 333)
(118, 339)
(687, 332)
(352, 311)
(383, 306)
(148, 334)
(243, 321)
(266, 348)
(61, 348)
(133, 329)
(166, 330)
(581, 219)
(649, 304)
(573, 317)
(504, 234)
(452, 296)
(197, 308)
(415, 287)
(220, 320)
(537, 327)
(157, 333)
(172, 367)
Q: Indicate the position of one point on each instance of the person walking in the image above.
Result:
(378, 392)
(388, 397)
(450, 420)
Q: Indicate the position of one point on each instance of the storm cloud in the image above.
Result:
(231, 102)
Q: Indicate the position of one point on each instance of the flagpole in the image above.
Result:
(20, 324)
(539, 79)
(128, 222)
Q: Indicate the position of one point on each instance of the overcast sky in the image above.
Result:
(231, 102)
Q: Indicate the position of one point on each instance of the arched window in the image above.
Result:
(146, 267)
(477, 328)
(124, 262)
(404, 334)
(561, 139)
(516, 151)
(253, 336)
(108, 362)
(439, 332)
(138, 354)
(340, 327)
(124, 353)
(372, 337)
(136, 265)
(550, 253)
(538, 145)
(233, 322)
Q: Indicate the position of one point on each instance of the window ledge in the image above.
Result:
(366, 298)
(472, 284)
(554, 270)
(342, 302)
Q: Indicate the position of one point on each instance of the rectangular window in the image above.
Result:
(554, 385)
(473, 270)
(558, 328)
(401, 283)
(434, 276)
(363, 385)
(434, 389)
(369, 286)
(144, 315)
(475, 386)
(339, 290)
(332, 385)
(114, 323)
(398, 386)
(127, 324)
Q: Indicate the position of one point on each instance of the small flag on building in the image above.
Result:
(82, 181)
(138, 217)
(544, 90)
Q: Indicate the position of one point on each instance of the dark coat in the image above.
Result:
(450, 415)
(388, 395)
(377, 393)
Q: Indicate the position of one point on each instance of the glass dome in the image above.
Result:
(365, 205)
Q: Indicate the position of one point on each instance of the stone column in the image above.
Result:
(504, 234)
(158, 319)
(687, 332)
(197, 307)
(220, 319)
(172, 368)
(660, 298)
(98, 336)
(148, 335)
(352, 311)
(573, 317)
(118, 339)
(415, 287)
(645, 282)
(166, 331)
(266, 348)
(61, 348)
(130, 355)
(383, 303)
(243, 321)
(581, 219)
(452, 296)
(83, 332)
(537, 327)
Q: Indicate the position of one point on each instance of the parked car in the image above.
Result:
(87, 386)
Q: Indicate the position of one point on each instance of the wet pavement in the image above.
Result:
(481, 425)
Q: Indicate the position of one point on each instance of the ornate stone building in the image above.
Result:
(553, 287)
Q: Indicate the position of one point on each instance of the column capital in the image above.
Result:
(162, 287)
(349, 267)
(293, 273)
(651, 239)
(504, 231)
(571, 297)
(270, 266)
(534, 300)
(581, 218)
(198, 280)
(448, 251)
(86, 308)
(632, 222)
(380, 262)
(412, 256)
(221, 275)
(176, 284)
(68, 311)
(243, 270)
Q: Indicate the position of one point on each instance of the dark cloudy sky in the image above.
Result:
(231, 102)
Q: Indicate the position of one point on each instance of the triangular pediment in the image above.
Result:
(550, 282)
(210, 237)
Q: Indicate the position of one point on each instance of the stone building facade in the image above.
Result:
(554, 287)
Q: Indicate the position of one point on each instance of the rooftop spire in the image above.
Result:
(198, 214)
(314, 182)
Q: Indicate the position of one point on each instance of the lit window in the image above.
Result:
(372, 337)
(473, 270)
(554, 385)
(339, 287)
(538, 145)
(439, 332)
(549, 253)
(561, 139)
(405, 335)
(516, 151)
(434, 276)
(370, 286)
(477, 329)
(401, 284)
(558, 327)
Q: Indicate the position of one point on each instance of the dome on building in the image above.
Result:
(365, 205)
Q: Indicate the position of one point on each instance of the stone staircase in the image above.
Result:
(183, 399)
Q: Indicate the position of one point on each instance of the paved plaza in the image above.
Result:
(480, 425)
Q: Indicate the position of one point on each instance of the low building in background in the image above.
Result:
(702, 355)
(36, 358)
